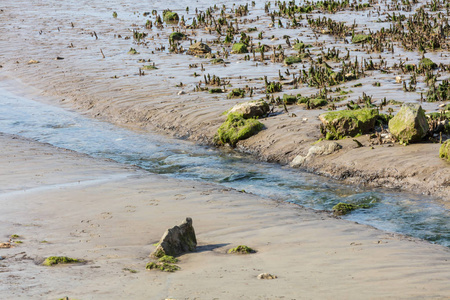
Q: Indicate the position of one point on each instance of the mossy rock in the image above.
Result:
(236, 93)
(236, 128)
(317, 102)
(427, 63)
(251, 109)
(217, 61)
(215, 91)
(199, 48)
(56, 260)
(292, 60)
(360, 38)
(242, 249)
(410, 124)
(301, 46)
(239, 48)
(444, 151)
(170, 16)
(177, 36)
(289, 99)
(339, 124)
(344, 208)
(162, 266)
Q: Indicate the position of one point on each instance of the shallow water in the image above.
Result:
(414, 215)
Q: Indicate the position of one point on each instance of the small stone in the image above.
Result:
(32, 61)
(199, 48)
(398, 79)
(266, 276)
(251, 109)
(181, 93)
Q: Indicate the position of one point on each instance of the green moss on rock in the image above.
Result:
(359, 38)
(317, 102)
(292, 60)
(289, 99)
(236, 93)
(444, 151)
(215, 91)
(170, 16)
(55, 260)
(427, 63)
(239, 48)
(236, 128)
(339, 124)
(132, 51)
(409, 124)
(242, 249)
(177, 36)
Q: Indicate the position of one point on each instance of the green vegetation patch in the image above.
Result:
(149, 67)
(162, 266)
(242, 249)
(133, 51)
(339, 124)
(15, 236)
(292, 60)
(170, 16)
(343, 208)
(360, 38)
(444, 151)
(236, 128)
(168, 259)
(56, 260)
(177, 36)
(236, 93)
(301, 46)
(427, 63)
(239, 48)
(215, 91)
(289, 99)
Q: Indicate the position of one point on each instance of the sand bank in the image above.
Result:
(63, 203)
(78, 54)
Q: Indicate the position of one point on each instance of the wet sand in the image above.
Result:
(111, 88)
(63, 203)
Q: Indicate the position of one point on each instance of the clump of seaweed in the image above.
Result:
(242, 249)
(55, 260)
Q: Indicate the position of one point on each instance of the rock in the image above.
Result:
(266, 276)
(199, 48)
(239, 48)
(410, 124)
(339, 124)
(251, 109)
(318, 150)
(32, 61)
(181, 93)
(177, 240)
(444, 151)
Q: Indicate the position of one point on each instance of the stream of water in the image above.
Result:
(415, 215)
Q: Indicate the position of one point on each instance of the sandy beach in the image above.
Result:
(63, 203)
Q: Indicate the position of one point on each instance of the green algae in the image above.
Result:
(56, 260)
(427, 63)
(177, 36)
(236, 93)
(239, 48)
(170, 16)
(165, 267)
(168, 259)
(360, 38)
(339, 124)
(242, 249)
(444, 151)
(236, 128)
(292, 60)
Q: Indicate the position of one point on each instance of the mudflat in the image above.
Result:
(80, 55)
(61, 203)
